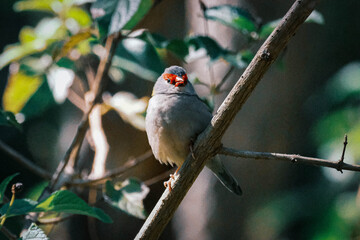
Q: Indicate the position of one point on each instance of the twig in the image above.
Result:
(98, 86)
(8, 233)
(340, 163)
(72, 153)
(294, 158)
(114, 173)
(223, 80)
(75, 99)
(24, 161)
(209, 142)
(53, 220)
(101, 145)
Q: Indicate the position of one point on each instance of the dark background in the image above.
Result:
(281, 200)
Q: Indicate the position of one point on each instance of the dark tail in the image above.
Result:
(218, 168)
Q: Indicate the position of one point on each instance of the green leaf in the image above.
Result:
(39, 102)
(8, 119)
(4, 184)
(345, 84)
(138, 57)
(34, 40)
(34, 5)
(115, 15)
(18, 91)
(34, 233)
(268, 28)
(231, 16)
(128, 198)
(200, 46)
(316, 17)
(19, 207)
(79, 15)
(68, 202)
(239, 60)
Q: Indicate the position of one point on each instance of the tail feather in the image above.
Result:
(218, 168)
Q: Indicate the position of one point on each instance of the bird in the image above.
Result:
(175, 117)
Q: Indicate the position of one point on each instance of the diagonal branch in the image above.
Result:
(24, 161)
(209, 142)
(131, 163)
(295, 158)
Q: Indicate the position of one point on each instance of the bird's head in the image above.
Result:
(173, 80)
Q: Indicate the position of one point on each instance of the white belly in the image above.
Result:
(172, 122)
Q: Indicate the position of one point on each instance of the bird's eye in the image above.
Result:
(168, 80)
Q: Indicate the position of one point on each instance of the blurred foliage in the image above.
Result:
(62, 201)
(34, 233)
(43, 63)
(50, 57)
(332, 212)
(127, 196)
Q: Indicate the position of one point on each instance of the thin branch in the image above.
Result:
(97, 88)
(294, 158)
(114, 173)
(8, 233)
(76, 100)
(340, 163)
(209, 142)
(226, 76)
(54, 220)
(72, 153)
(101, 145)
(24, 161)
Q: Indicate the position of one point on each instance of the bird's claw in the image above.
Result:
(172, 178)
(167, 184)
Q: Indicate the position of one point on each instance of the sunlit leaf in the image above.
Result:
(68, 202)
(35, 66)
(138, 57)
(79, 15)
(19, 207)
(130, 108)
(268, 28)
(116, 15)
(239, 60)
(315, 17)
(201, 46)
(4, 184)
(334, 125)
(34, 5)
(72, 42)
(34, 233)
(27, 34)
(237, 18)
(46, 32)
(127, 197)
(18, 91)
(60, 201)
(39, 102)
(345, 84)
(59, 80)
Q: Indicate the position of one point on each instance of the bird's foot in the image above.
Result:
(173, 177)
(168, 183)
